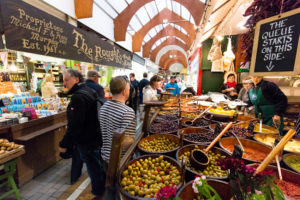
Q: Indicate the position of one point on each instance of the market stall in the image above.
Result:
(47, 46)
(169, 138)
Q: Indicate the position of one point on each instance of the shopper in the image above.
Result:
(247, 85)
(142, 84)
(93, 82)
(268, 100)
(48, 87)
(114, 114)
(229, 88)
(135, 84)
(83, 131)
(172, 84)
(150, 91)
(160, 88)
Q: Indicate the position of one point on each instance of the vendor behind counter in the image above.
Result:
(229, 88)
(268, 100)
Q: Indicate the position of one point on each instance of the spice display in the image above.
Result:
(169, 108)
(249, 153)
(168, 112)
(159, 144)
(220, 110)
(212, 169)
(190, 109)
(145, 177)
(200, 137)
(293, 161)
(166, 126)
(189, 115)
(166, 118)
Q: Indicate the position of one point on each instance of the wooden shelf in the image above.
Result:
(40, 132)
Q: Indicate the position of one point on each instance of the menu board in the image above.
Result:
(29, 29)
(276, 47)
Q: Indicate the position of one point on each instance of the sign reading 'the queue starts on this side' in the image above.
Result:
(276, 47)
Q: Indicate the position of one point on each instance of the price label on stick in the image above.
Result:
(217, 129)
(237, 152)
(251, 127)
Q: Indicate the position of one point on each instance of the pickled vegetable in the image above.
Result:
(293, 161)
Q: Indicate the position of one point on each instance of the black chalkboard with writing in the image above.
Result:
(277, 45)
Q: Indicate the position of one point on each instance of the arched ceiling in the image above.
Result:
(171, 61)
(195, 9)
(138, 37)
(176, 67)
(166, 49)
(155, 26)
(171, 54)
(168, 31)
(169, 41)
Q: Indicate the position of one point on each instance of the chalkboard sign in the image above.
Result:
(276, 46)
(29, 29)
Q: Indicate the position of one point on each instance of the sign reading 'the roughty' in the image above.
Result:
(29, 29)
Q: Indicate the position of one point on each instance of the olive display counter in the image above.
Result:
(40, 138)
(191, 139)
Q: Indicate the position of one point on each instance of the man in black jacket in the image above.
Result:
(83, 132)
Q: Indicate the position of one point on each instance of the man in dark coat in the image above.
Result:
(83, 132)
(93, 82)
(135, 84)
(142, 84)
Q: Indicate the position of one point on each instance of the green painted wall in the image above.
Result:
(212, 81)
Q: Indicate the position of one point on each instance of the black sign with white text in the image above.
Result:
(29, 29)
(277, 45)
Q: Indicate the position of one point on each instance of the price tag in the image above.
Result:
(251, 127)
(217, 129)
(237, 152)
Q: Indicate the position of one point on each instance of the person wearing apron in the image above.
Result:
(268, 100)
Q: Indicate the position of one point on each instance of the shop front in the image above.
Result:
(35, 44)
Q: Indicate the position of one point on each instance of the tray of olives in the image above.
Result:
(198, 123)
(196, 135)
(167, 127)
(142, 177)
(160, 143)
(212, 170)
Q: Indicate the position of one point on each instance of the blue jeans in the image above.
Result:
(91, 157)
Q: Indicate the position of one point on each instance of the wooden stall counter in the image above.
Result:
(40, 138)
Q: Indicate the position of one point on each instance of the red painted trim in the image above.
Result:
(199, 88)
(192, 57)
